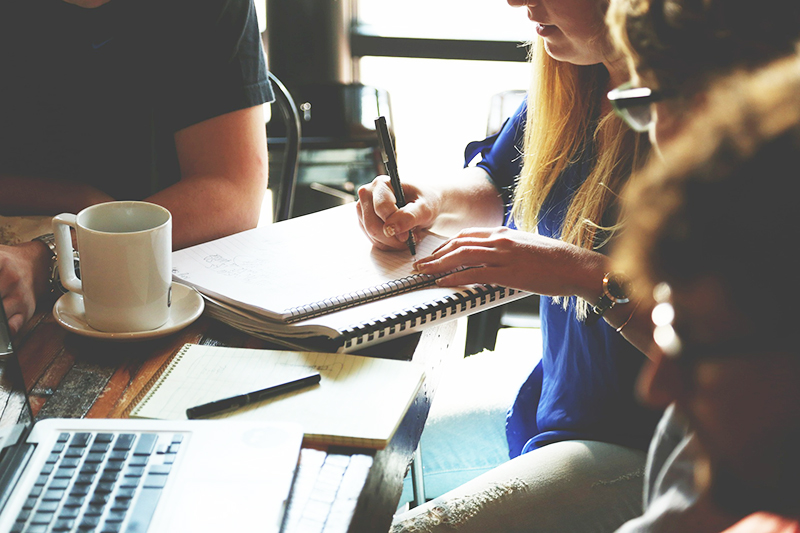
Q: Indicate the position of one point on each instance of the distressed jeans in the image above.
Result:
(571, 486)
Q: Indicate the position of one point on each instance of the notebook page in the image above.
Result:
(359, 400)
(294, 263)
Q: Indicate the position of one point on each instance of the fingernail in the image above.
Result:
(389, 231)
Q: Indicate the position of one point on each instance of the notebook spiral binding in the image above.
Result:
(149, 388)
(409, 318)
(362, 296)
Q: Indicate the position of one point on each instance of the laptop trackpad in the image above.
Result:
(228, 484)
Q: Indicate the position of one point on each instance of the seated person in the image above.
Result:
(711, 229)
(575, 433)
(677, 49)
(112, 100)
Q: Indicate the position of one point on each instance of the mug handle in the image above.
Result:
(66, 269)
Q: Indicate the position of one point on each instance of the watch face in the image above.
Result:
(619, 288)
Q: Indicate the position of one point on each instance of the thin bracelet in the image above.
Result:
(635, 307)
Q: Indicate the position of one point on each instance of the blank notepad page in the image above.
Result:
(359, 400)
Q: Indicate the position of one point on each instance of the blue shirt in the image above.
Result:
(583, 387)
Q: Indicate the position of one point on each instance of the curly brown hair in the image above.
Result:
(681, 45)
(721, 203)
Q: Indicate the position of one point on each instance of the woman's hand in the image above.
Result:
(385, 224)
(519, 260)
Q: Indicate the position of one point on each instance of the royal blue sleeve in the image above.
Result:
(501, 153)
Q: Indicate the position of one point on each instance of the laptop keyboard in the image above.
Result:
(99, 482)
(325, 492)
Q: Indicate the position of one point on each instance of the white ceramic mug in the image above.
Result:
(125, 260)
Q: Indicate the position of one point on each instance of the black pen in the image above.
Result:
(235, 402)
(390, 162)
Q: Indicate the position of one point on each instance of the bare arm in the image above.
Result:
(223, 180)
(43, 196)
(538, 264)
(223, 164)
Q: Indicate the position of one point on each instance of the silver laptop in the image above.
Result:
(123, 475)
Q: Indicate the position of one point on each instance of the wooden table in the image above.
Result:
(74, 377)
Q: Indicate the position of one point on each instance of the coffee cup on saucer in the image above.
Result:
(125, 251)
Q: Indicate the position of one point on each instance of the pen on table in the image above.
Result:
(241, 400)
(390, 162)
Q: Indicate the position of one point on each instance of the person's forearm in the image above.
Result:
(468, 199)
(25, 195)
(208, 207)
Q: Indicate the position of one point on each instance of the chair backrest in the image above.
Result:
(283, 189)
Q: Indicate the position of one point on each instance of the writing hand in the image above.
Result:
(386, 225)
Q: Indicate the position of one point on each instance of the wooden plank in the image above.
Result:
(384, 485)
(129, 379)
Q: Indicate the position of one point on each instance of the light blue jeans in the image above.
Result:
(571, 486)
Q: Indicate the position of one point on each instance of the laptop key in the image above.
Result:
(100, 447)
(124, 441)
(42, 518)
(48, 506)
(74, 500)
(79, 490)
(145, 507)
(89, 523)
(80, 439)
(125, 492)
(69, 512)
(75, 451)
(115, 516)
(60, 483)
(146, 444)
(93, 510)
(94, 457)
(53, 495)
(120, 504)
(104, 437)
(64, 473)
(70, 462)
(111, 527)
(63, 524)
(118, 455)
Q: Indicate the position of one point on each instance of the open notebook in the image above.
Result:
(360, 401)
(317, 282)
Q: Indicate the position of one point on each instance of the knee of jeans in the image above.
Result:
(450, 514)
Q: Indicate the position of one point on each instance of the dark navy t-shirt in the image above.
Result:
(583, 388)
(96, 95)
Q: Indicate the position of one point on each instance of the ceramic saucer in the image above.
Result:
(187, 305)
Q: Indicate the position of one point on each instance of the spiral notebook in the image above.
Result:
(316, 282)
(359, 401)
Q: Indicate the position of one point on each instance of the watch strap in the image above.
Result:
(54, 278)
(49, 240)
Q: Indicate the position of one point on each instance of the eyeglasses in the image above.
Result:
(633, 105)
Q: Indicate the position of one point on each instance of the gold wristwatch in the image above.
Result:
(616, 290)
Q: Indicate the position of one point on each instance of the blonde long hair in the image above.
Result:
(564, 114)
